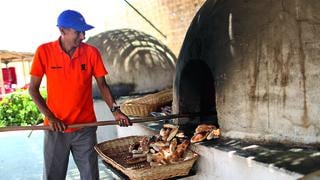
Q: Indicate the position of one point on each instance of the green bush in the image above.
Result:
(18, 109)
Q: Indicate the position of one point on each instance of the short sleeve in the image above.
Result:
(98, 69)
(37, 67)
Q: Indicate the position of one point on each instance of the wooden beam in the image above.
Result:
(1, 81)
(24, 72)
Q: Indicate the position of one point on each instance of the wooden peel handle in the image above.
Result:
(99, 123)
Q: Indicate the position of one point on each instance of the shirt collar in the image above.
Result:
(77, 52)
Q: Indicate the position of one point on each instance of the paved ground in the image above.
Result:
(21, 156)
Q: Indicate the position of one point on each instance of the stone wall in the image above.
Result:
(172, 18)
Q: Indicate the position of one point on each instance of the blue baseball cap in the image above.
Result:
(73, 19)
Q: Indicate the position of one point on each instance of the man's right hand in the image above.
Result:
(56, 124)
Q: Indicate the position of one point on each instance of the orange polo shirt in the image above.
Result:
(69, 80)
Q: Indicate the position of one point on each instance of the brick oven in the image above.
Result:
(255, 65)
(252, 68)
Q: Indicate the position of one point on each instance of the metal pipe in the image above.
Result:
(145, 19)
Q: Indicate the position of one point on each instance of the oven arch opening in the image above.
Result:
(197, 92)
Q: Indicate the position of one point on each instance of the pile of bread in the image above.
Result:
(205, 132)
(169, 146)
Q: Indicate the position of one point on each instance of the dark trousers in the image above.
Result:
(57, 148)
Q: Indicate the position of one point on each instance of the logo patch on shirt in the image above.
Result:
(83, 67)
(56, 67)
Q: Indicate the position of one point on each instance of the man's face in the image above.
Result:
(73, 37)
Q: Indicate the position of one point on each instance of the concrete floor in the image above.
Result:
(21, 155)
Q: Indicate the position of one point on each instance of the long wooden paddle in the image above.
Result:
(99, 123)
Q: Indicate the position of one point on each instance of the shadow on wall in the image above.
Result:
(137, 62)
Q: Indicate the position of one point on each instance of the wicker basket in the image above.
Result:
(138, 108)
(145, 105)
(115, 151)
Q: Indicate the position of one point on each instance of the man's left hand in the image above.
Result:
(123, 119)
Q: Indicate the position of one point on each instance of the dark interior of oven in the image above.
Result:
(197, 93)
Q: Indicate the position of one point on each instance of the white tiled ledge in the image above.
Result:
(220, 162)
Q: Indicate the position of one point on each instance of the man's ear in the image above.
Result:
(62, 30)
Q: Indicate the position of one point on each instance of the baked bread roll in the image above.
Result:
(173, 145)
(178, 153)
(172, 134)
(144, 144)
(198, 137)
(215, 133)
(202, 132)
(161, 144)
(168, 131)
(180, 134)
(205, 128)
(155, 158)
(164, 133)
(170, 126)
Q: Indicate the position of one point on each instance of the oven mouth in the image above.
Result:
(196, 94)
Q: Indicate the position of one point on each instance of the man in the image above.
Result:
(69, 65)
